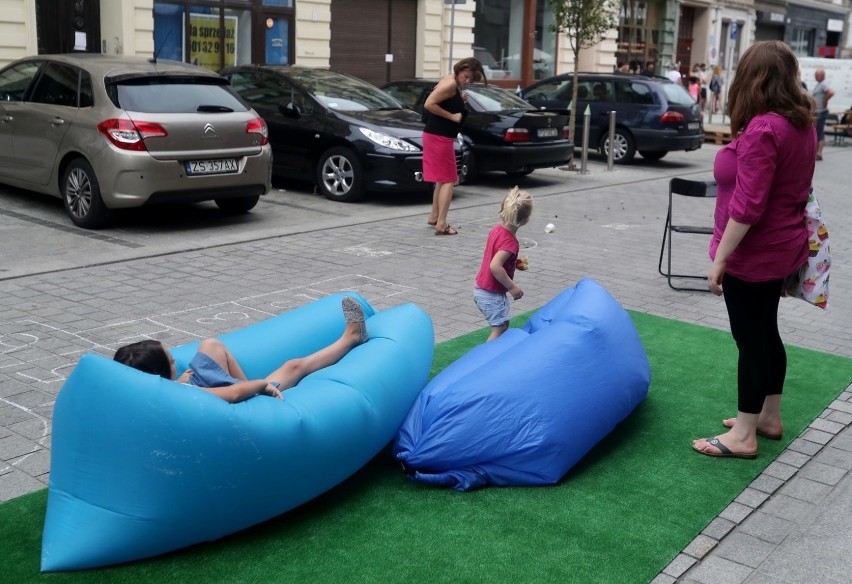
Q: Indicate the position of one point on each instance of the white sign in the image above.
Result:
(838, 75)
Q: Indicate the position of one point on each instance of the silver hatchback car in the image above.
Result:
(108, 132)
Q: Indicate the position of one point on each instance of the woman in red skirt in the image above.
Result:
(446, 108)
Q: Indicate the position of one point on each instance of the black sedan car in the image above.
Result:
(336, 130)
(503, 131)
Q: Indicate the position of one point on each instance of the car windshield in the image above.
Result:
(345, 93)
(676, 94)
(496, 99)
(175, 95)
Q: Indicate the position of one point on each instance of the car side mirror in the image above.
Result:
(291, 110)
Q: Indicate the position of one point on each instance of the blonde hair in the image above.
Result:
(516, 208)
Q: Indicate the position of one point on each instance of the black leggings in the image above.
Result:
(762, 365)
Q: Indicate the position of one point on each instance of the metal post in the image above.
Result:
(611, 137)
(587, 117)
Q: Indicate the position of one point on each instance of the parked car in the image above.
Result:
(503, 131)
(653, 115)
(339, 131)
(106, 132)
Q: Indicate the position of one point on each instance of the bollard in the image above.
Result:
(611, 137)
(587, 115)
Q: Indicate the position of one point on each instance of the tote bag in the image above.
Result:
(810, 282)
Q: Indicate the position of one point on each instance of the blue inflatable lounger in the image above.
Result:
(525, 408)
(142, 465)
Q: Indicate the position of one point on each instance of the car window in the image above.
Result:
(407, 95)
(270, 91)
(495, 99)
(344, 93)
(14, 81)
(175, 94)
(87, 94)
(57, 86)
(633, 92)
(558, 89)
(676, 94)
(598, 91)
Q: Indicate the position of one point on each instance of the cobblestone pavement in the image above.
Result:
(64, 292)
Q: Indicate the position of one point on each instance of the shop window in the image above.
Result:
(203, 35)
(280, 3)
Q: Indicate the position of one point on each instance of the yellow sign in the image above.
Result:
(205, 42)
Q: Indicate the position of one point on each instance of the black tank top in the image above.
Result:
(441, 126)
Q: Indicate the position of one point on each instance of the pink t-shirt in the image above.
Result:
(763, 178)
(499, 239)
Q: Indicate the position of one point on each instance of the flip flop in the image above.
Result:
(724, 451)
(448, 230)
(759, 432)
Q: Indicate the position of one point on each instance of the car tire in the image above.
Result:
(237, 206)
(472, 173)
(81, 195)
(653, 155)
(339, 175)
(625, 147)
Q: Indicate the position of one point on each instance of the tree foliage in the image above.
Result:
(585, 23)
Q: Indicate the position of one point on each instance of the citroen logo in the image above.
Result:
(209, 131)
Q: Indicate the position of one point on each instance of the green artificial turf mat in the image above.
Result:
(626, 510)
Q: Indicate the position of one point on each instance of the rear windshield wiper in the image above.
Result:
(214, 109)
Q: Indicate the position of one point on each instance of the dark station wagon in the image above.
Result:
(653, 116)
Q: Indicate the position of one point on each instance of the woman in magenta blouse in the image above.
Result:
(763, 178)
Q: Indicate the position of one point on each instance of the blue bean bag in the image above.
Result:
(524, 408)
(142, 465)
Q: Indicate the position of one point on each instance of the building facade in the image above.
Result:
(382, 40)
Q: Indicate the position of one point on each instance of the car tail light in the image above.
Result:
(672, 118)
(516, 135)
(566, 132)
(258, 126)
(130, 135)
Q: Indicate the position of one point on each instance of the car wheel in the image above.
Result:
(82, 196)
(655, 155)
(519, 173)
(339, 175)
(472, 169)
(237, 206)
(623, 150)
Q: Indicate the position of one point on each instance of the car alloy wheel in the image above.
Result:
(82, 195)
(339, 175)
(623, 147)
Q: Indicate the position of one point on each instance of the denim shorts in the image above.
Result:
(208, 373)
(494, 306)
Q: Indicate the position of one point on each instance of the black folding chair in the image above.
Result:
(686, 188)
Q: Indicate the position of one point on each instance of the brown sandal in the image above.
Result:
(448, 230)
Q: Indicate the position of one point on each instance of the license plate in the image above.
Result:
(547, 132)
(219, 166)
(692, 125)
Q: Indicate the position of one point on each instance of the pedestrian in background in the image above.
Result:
(716, 89)
(760, 236)
(446, 107)
(822, 93)
(499, 261)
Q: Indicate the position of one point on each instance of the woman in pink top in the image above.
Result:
(759, 238)
(499, 260)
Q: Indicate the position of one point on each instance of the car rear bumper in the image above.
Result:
(138, 178)
(522, 156)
